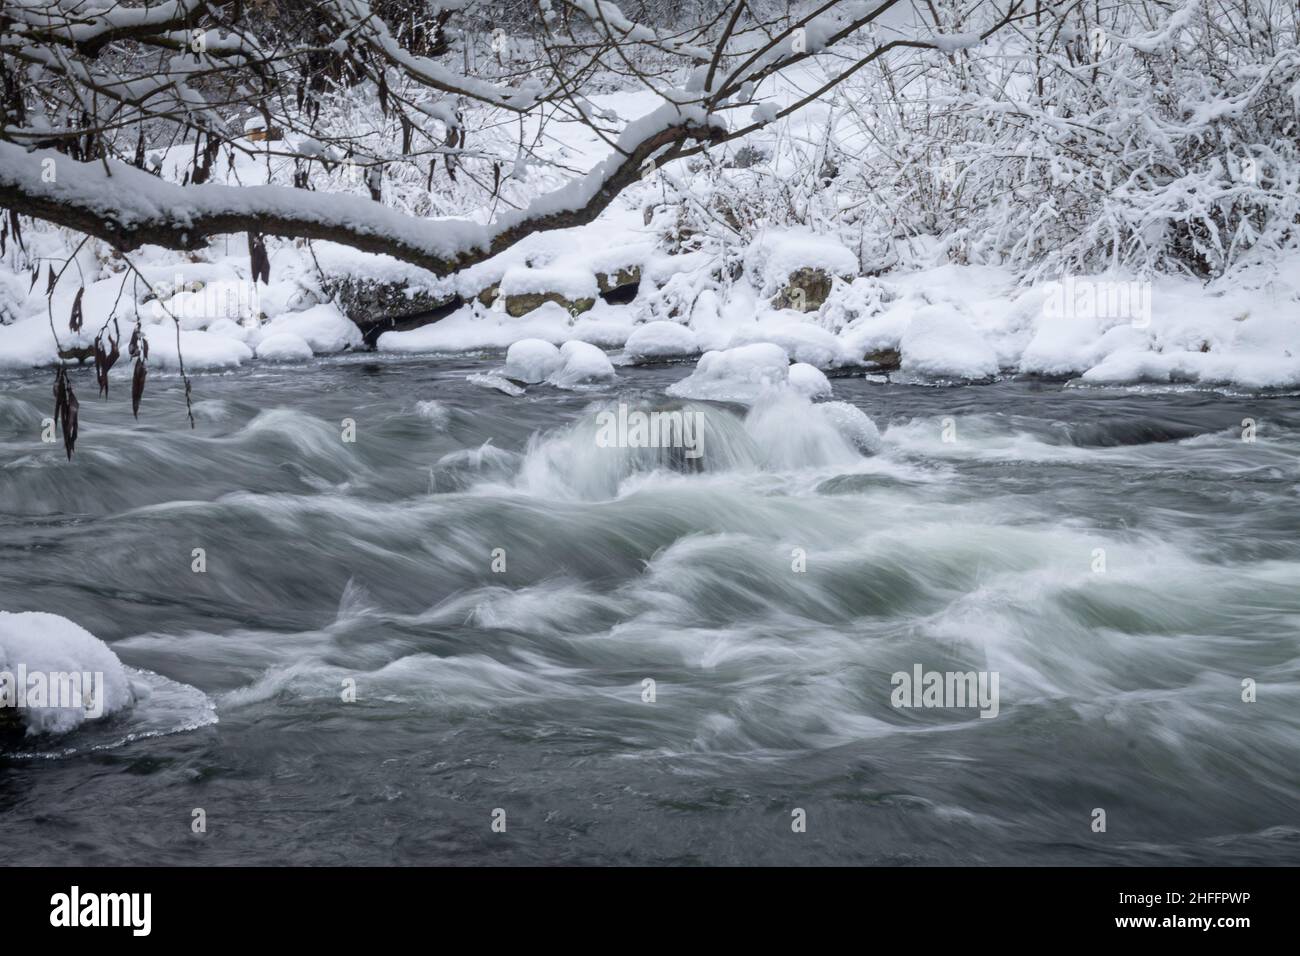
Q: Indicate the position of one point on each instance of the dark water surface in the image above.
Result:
(372, 562)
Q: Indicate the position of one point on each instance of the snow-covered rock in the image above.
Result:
(656, 340)
(284, 347)
(780, 253)
(532, 361)
(802, 341)
(809, 381)
(201, 350)
(583, 365)
(939, 343)
(45, 647)
(735, 375)
(323, 327)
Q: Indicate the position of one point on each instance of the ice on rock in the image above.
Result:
(853, 424)
(36, 643)
(532, 361)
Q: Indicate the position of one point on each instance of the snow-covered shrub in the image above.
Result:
(1144, 136)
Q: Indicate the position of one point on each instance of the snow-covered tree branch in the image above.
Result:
(89, 89)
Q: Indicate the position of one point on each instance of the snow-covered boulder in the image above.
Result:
(323, 327)
(39, 654)
(797, 267)
(532, 361)
(284, 347)
(735, 375)
(201, 350)
(805, 290)
(625, 279)
(809, 381)
(229, 329)
(583, 365)
(802, 341)
(525, 289)
(658, 340)
(939, 343)
(368, 301)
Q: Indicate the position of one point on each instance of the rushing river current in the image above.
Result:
(497, 590)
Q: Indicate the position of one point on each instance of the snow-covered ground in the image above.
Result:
(947, 322)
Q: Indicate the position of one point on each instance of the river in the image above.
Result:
(621, 663)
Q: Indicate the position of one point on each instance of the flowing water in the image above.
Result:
(498, 588)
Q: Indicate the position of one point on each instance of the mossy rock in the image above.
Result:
(805, 290)
(77, 353)
(619, 279)
(887, 360)
(367, 302)
(522, 304)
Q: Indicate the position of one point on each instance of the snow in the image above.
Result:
(584, 364)
(779, 252)
(802, 341)
(532, 361)
(951, 322)
(200, 350)
(940, 344)
(952, 42)
(809, 381)
(50, 644)
(284, 347)
(26, 344)
(473, 327)
(573, 283)
(323, 327)
(658, 340)
(132, 199)
(735, 375)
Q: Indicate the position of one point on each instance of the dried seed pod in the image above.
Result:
(74, 320)
(70, 422)
(137, 386)
(258, 261)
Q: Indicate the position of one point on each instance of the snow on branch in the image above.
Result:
(129, 208)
